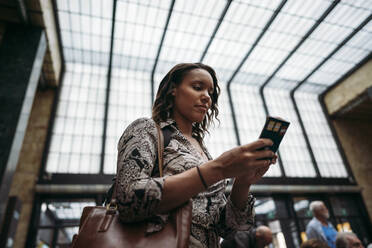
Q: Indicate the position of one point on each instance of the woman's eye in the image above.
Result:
(197, 87)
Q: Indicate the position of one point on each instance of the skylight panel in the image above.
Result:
(189, 31)
(244, 19)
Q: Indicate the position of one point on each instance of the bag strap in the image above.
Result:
(113, 201)
(160, 149)
(167, 133)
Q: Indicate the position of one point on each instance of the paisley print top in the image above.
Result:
(140, 187)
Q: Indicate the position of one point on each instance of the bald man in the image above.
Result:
(255, 238)
(348, 240)
(319, 227)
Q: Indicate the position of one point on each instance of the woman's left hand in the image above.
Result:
(256, 175)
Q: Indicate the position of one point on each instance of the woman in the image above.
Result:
(186, 103)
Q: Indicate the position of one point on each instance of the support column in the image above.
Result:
(22, 51)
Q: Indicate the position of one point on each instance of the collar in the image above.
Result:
(168, 122)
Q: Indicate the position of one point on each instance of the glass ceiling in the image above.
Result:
(274, 57)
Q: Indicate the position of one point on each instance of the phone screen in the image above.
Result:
(274, 129)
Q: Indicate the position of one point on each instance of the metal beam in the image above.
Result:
(228, 3)
(72, 188)
(311, 30)
(42, 173)
(292, 92)
(22, 11)
(264, 188)
(268, 24)
(159, 49)
(351, 35)
(108, 89)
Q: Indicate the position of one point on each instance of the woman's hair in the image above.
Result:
(164, 102)
(314, 243)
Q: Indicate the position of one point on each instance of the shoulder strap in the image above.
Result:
(160, 149)
(167, 132)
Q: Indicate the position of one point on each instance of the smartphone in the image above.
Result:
(274, 129)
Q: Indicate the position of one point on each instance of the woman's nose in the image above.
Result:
(206, 97)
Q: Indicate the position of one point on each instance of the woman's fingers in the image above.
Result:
(262, 171)
(246, 158)
(273, 160)
(263, 154)
(260, 143)
(257, 164)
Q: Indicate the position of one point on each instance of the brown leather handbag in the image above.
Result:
(101, 227)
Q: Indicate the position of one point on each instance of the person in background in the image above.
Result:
(319, 227)
(348, 240)
(255, 238)
(314, 243)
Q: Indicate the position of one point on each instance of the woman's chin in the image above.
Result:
(199, 120)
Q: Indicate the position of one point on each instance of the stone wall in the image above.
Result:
(29, 163)
(355, 135)
(349, 89)
(356, 139)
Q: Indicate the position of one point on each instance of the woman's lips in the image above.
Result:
(202, 107)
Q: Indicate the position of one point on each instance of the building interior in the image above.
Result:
(75, 73)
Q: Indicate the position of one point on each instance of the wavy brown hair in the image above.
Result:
(164, 102)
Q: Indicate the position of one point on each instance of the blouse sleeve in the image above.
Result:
(233, 219)
(138, 194)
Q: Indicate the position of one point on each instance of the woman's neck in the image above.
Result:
(185, 126)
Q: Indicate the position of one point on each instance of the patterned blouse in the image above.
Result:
(140, 191)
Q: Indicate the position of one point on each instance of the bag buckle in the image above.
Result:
(112, 206)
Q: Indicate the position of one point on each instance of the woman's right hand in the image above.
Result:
(238, 162)
(244, 160)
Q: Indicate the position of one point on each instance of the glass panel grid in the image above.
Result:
(250, 116)
(354, 51)
(189, 31)
(71, 231)
(241, 26)
(326, 37)
(138, 30)
(362, 4)
(282, 36)
(130, 98)
(85, 30)
(69, 210)
(324, 147)
(221, 136)
(293, 150)
(86, 33)
(76, 140)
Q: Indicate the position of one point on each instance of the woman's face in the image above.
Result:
(192, 96)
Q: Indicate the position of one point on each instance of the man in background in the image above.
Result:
(255, 238)
(319, 227)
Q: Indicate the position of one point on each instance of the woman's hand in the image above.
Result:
(240, 162)
(252, 178)
(244, 161)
